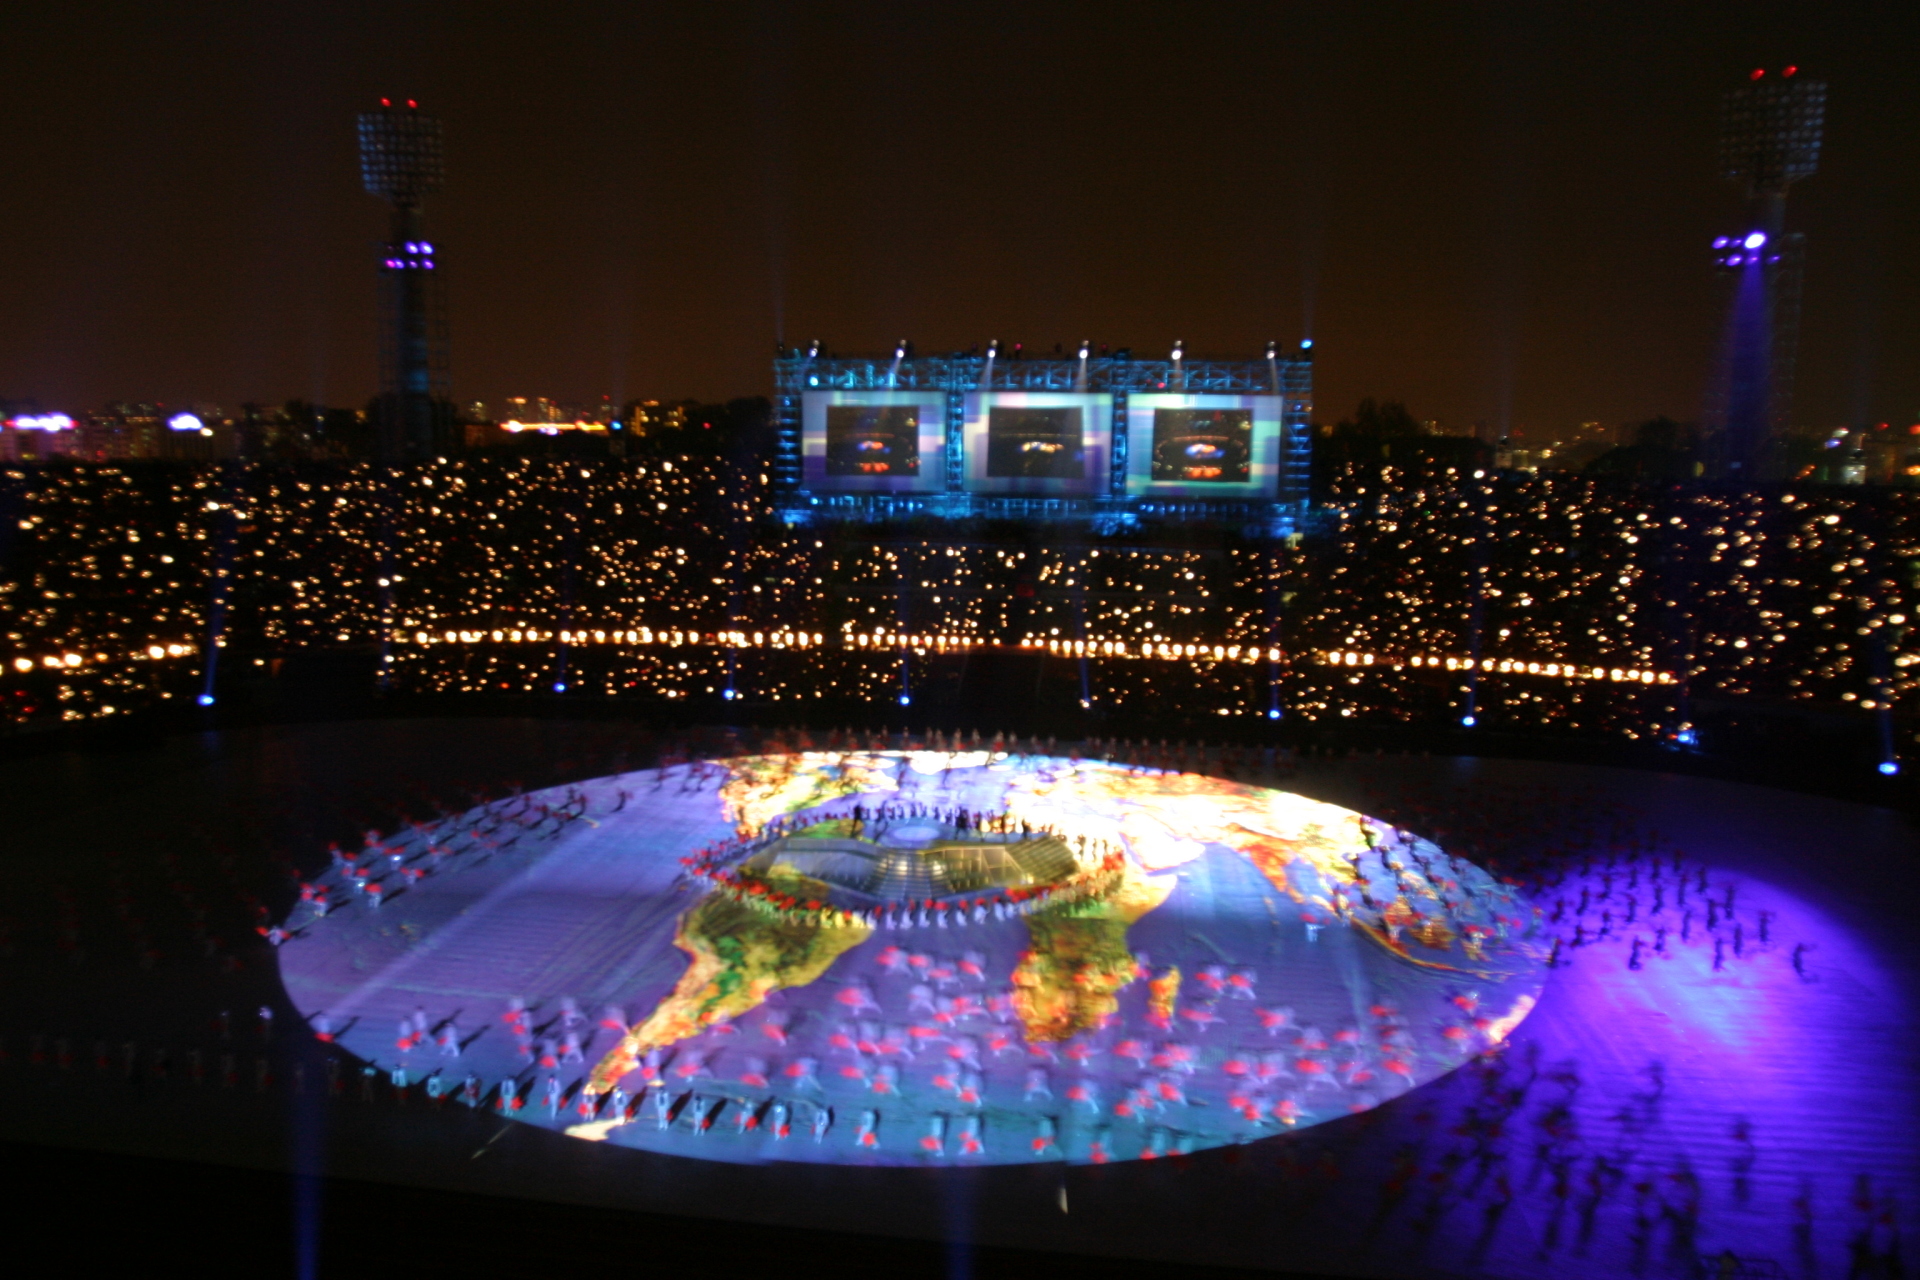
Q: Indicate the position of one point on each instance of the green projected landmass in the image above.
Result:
(736, 956)
(1069, 978)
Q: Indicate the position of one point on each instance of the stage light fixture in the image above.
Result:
(184, 422)
(1273, 713)
(1306, 344)
(1889, 767)
(205, 699)
(1755, 239)
(906, 700)
(1177, 347)
(1468, 721)
(559, 686)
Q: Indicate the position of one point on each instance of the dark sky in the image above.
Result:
(1495, 212)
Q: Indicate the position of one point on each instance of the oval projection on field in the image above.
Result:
(914, 958)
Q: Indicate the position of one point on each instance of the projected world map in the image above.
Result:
(912, 958)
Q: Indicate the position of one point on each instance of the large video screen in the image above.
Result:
(874, 441)
(1203, 446)
(1038, 442)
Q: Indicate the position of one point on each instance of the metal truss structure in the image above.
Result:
(1770, 134)
(956, 376)
(401, 162)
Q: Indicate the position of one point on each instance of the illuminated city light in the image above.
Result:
(552, 428)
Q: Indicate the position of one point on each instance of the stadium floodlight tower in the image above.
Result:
(1770, 133)
(401, 162)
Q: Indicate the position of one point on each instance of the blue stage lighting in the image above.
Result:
(906, 699)
(1273, 713)
(1468, 721)
(1306, 344)
(559, 686)
(206, 699)
(1889, 767)
(1755, 239)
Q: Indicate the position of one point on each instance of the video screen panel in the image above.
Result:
(1052, 443)
(874, 441)
(1203, 446)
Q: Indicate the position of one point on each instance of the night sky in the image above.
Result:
(1492, 212)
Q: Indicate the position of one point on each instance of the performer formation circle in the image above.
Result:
(911, 958)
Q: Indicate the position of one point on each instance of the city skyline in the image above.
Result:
(1456, 226)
